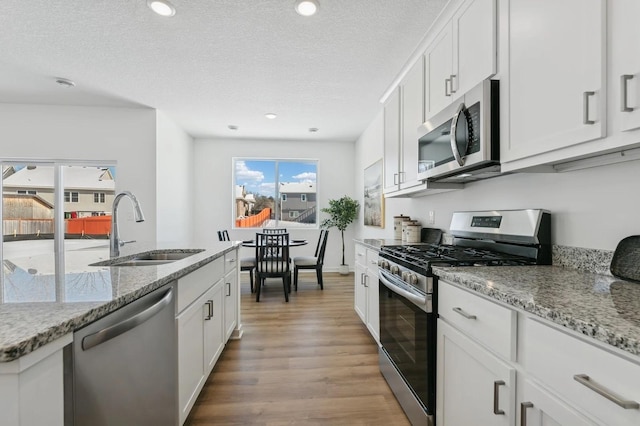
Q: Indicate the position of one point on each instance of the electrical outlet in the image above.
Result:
(432, 217)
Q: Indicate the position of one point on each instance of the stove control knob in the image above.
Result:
(384, 264)
(395, 270)
(413, 279)
(405, 276)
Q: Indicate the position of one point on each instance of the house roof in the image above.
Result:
(297, 188)
(75, 177)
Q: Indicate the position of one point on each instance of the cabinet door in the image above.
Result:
(360, 292)
(537, 407)
(190, 354)
(412, 118)
(439, 71)
(556, 77)
(625, 61)
(474, 41)
(373, 305)
(392, 142)
(213, 326)
(474, 386)
(230, 302)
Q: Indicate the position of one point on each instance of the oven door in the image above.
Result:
(408, 336)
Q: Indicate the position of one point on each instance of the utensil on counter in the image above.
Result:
(431, 235)
(625, 263)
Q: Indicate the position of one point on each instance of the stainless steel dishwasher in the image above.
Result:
(124, 366)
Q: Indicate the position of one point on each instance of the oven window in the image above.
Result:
(407, 334)
(434, 148)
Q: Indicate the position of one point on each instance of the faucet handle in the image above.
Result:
(122, 242)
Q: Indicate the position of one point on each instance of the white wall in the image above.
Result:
(174, 184)
(123, 135)
(214, 197)
(591, 208)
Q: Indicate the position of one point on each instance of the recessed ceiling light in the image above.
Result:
(232, 127)
(307, 7)
(270, 115)
(162, 7)
(313, 129)
(65, 82)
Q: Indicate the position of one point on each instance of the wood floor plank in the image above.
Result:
(310, 361)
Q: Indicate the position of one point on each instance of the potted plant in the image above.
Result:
(342, 212)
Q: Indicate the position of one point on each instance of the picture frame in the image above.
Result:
(373, 205)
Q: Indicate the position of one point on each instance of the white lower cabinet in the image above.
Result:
(231, 296)
(366, 296)
(474, 386)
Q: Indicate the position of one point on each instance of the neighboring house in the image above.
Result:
(26, 214)
(242, 205)
(89, 191)
(298, 200)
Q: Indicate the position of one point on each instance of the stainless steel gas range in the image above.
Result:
(408, 293)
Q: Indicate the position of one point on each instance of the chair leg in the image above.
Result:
(319, 275)
(251, 271)
(286, 287)
(295, 278)
(258, 287)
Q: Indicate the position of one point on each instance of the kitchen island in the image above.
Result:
(40, 310)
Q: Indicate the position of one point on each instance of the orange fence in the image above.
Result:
(93, 225)
(254, 221)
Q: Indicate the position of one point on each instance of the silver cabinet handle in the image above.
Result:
(373, 262)
(585, 107)
(362, 278)
(396, 179)
(121, 327)
(360, 254)
(523, 412)
(451, 77)
(447, 82)
(401, 177)
(496, 397)
(231, 260)
(366, 280)
(228, 289)
(599, 389)
(209, 304)
(623, 92)
(464, 314)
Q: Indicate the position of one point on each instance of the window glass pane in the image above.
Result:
(87, 211)
(259, 183)
(28, 229)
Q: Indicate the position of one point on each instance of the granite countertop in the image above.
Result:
(599, 306)
(36, 307)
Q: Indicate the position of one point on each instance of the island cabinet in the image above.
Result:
(231, 297)
(461, 55)
(200, 322)
(366, 294)
(507, 366)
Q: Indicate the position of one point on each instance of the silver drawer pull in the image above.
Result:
(447, 83)
(496, 397)
(523, 412)
(599, 389)
(464, 314)
(623, 92)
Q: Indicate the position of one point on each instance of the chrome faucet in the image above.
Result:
(115, 242)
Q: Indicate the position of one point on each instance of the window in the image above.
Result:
(70, 197)
(99, 197)
(29, 192)
(275, 193)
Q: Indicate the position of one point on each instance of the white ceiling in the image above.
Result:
(216, 62)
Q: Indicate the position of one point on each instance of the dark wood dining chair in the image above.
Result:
(272, 261)
(312, 262)
(246, 263)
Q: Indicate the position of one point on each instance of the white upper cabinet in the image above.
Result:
(461, 55)
(625, 62)
(556, 73)
(392, 142)
(412, 118)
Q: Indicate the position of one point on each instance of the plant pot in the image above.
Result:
(344, 270)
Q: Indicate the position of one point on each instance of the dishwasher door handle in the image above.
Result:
(123, 326)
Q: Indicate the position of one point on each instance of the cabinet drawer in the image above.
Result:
(361, 254)
(192, 285)
(230, 261)
(372, 260)
(488, 323)
(556, 358)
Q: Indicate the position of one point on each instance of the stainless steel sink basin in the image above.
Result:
(152, 258)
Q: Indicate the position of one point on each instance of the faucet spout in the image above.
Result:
(115, 242)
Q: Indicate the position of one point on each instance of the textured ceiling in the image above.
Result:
(216, 62)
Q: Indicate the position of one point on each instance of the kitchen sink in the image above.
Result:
(152, 258)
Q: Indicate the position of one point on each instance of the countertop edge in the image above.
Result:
(16, 350)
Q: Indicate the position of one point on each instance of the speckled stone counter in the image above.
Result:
(36, 307)
(599, 306)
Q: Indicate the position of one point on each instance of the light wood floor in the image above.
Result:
(309, 361)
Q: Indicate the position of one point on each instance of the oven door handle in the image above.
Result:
(420, 301)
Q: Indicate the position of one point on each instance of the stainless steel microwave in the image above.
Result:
(462, 143)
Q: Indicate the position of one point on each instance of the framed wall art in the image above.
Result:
(373, 195)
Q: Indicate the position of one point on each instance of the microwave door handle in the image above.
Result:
(454, 125)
